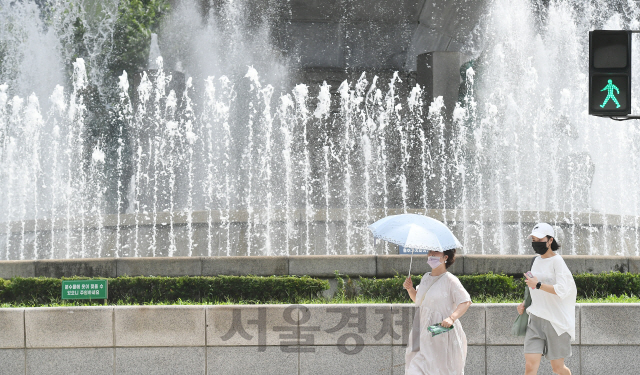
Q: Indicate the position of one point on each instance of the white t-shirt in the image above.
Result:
(558, 309)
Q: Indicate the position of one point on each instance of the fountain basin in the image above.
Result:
(297, 232)
(323, 266)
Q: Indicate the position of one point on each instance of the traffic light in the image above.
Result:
(609, 72)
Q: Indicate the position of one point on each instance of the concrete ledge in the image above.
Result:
(12, 361)
(500, 318)
(310, 265)
(248, 325)
(391, 265)
(403, 318)
(58, 268)
(17, 268)
(243, 360)
(367, 322)
(510, 360)
(398, 360)
(634, 264)
(11, 328)
(322, 360)
(513, 264)
(599, 264)
(474, 324)
(610, 359)
(68, 327)
(291, 339)
(241, 266)
(154, 361)
(159, 326)
(610, 324)
(324, 266)
(98, 361)
(576, 263)
(476, 360)
(178, 266)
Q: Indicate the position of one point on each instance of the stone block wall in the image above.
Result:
(287, 339)
(310, 265)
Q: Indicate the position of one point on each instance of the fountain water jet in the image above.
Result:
(242, 165)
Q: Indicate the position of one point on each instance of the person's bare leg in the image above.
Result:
(559, 367)
(532, 362)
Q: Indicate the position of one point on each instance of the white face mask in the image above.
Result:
(434, 262)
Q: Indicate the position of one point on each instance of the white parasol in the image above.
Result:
(415, 232)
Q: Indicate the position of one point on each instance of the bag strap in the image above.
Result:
(533, 261)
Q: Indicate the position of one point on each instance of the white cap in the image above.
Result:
(542, 230)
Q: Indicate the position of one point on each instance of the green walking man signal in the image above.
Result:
(610, 87)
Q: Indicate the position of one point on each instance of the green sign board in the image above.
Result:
(84, 289)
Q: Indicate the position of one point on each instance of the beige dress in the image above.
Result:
(444, 354)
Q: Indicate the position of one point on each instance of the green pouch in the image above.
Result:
(519, 327)
(437, 329)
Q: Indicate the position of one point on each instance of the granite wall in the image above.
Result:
(287, 339)
(323, 266)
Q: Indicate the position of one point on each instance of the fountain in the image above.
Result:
(239, 158)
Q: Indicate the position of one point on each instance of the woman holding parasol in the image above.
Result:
(440, 298)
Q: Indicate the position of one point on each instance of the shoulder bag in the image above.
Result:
(519, 327)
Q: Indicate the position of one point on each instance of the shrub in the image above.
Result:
(606, 284)
(292, 289)
(507, 287)
(491, 285)
(144, 290)
(32, 291)
(478, 286)
(389, 290)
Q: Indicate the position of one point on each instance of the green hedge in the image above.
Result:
(508, 287)
(606, 284)
(291, 289)
(145, 290)
(478, 286)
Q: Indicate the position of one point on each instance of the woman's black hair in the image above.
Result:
(451, 257)
(554, 244)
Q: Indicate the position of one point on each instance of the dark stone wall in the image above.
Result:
(365, 34)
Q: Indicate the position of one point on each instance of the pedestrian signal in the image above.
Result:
(609, 72)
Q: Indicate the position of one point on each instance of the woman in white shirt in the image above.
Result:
(551, 325)
(442, 299)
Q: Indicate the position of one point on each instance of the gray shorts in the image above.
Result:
(541, 338)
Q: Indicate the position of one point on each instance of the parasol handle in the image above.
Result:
(411, 262)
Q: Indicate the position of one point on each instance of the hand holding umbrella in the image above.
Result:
(408, 283)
